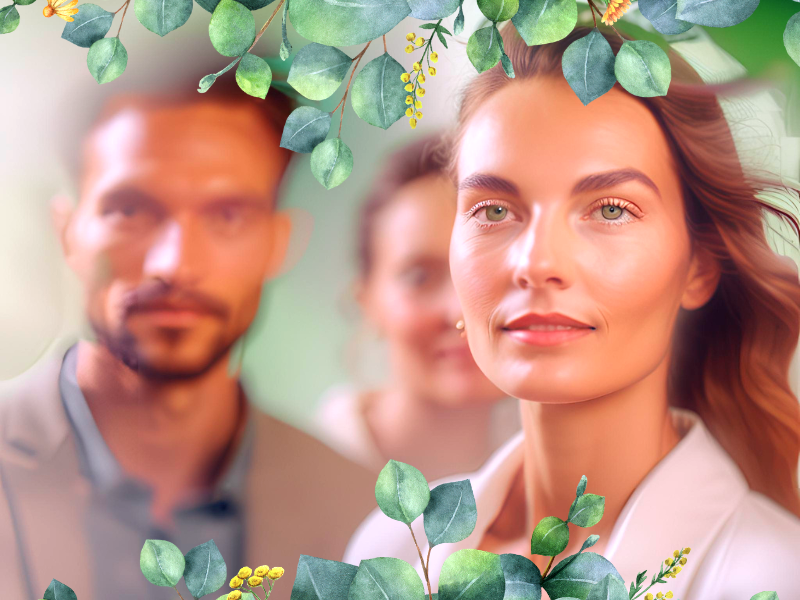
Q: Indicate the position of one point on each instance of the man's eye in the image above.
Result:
(415, 277)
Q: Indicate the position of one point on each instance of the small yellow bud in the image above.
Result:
(649, 596)
(676, 553)
(419, 41)
(418, 114)
(405, 77)
(262, 571)
(413, 123)
(669, 595)
(418, 104)
(409, 99)
(409, 111)
(410, 36)
(235, 595)
(682, 560)
(686, 550)
(432, 71)
(668, 562)
(420, 92)
(245, 572)
(254, 581)
(659, 595)
(236, 582)
(276, 573)
(409, 87)
(434, 57)
(409, 49)
(417, 66)
(678, 569)
(421, 78)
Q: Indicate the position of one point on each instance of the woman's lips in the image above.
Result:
(546, 330)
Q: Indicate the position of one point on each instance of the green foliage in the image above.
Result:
(9, 18)
(642, 68)
(305, 128)
(337, 23)
(715, 13)
(402, 491)
(588, 66)
(320, 579)
(610, 587)
(207, 81)
(662, 14)
(471, 575)
(58, 591)
(385, 579)
(331, 162)
(205, 571)
(581, 489)
(587, 510)
(545, 21)
(791, 38)
(377, 94)
(254, 75)
(286, 47)
(483, 48)
(232, 28)
(91, 24)
(578, 577)
(432, 10)
(107, 59)
(210, 5)
(550, 537)
(458, 24)
(451, 514)
(27, 2)
(522, 576)
(318, 70)
(498, 10)
(765, 596)
(162, 16)
(162, 563)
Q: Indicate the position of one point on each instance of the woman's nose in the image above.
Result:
(542, 256)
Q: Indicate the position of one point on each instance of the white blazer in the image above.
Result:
(741, 541)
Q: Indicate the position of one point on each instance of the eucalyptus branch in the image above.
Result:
(264, 28)
(424, 567)
(550, 564)
(122, 20)
(342, 102)
(661, 572)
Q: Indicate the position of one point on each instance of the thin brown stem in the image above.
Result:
(179, 594)
(358, 58)
(593, 8)
(424, 566)
(124, 4)
(619, 35)
(384, 43)
(547, 570)
(264, 28)
(429, 557)
(122, 20)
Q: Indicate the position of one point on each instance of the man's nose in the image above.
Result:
(170, 256)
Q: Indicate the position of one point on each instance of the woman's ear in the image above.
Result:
(704, 275)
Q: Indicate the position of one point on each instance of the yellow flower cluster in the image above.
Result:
(675, 562)
(253, 579)
(615, 9)
(659, 595)
(414, 111)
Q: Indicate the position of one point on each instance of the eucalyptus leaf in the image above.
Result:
(254, 75)
(791, 38)
(210, 5)
(107, 60)
(765, 596)
(161, 563)
(317, 70)
(662, 15)
(588, 543)
(441, 38)
(507, 66)
(305, 128)
(91, 24)
(587, 510)
(377, 94)
(471, 575)
(232, 28)
(577, 578)
(162, 16)
(642, 68)
(207, 81)
(483, 48)
(610, 587)
(498, 10)
(581, 489)
(550, 537)
(522, 576)
(28, 2)
(386, 579)
(401, 491)
(346, 22)
(205, 570)
(9, 18)
(320, 579)
(429, 10)
(58, 591)
(716, 13)
(451, 514)
(545, 21)
(588, 66)
(286, 47)
(458, 24)
(331, 162)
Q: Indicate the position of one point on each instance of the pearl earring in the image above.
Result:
(462, 327)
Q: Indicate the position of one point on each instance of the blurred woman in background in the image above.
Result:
(437, 410)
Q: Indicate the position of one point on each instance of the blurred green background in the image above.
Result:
(306, 335)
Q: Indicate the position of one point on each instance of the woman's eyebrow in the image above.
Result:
(598, 181)
(491, 183)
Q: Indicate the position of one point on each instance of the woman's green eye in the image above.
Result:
(496, 213)
(611, 211)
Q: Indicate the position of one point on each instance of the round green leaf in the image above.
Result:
(401, 490)
(107, 59)
(483, 48)
(27, 2)
(588, 66)
(9, 18)
(210, 5)
(254, 75)
(377, 94)
(305, 128)
(498, 10)
(451, 514)
(545, 21)
(765, 596)
(550, 537)
(715, 13)
(317, 71)
(163, 16)
(791, 38)
(642, 68)
(431, 10)
(662, 14)
(587, 510)
(205, 569)
(579, 576)
(161, 563)
(91, 24)
(385, 579)
(320, 579)
(331, 164)
(523, 579)
(232, 28)
(610, 587)
(345, 23)
(471, 575)
(58, 591)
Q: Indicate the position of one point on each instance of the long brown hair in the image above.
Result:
(730, 359)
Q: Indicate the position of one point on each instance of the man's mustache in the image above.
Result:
(159, 294)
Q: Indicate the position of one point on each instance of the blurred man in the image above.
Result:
(143, 434)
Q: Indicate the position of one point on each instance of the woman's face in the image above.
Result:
(570, 209)
(409, 296)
